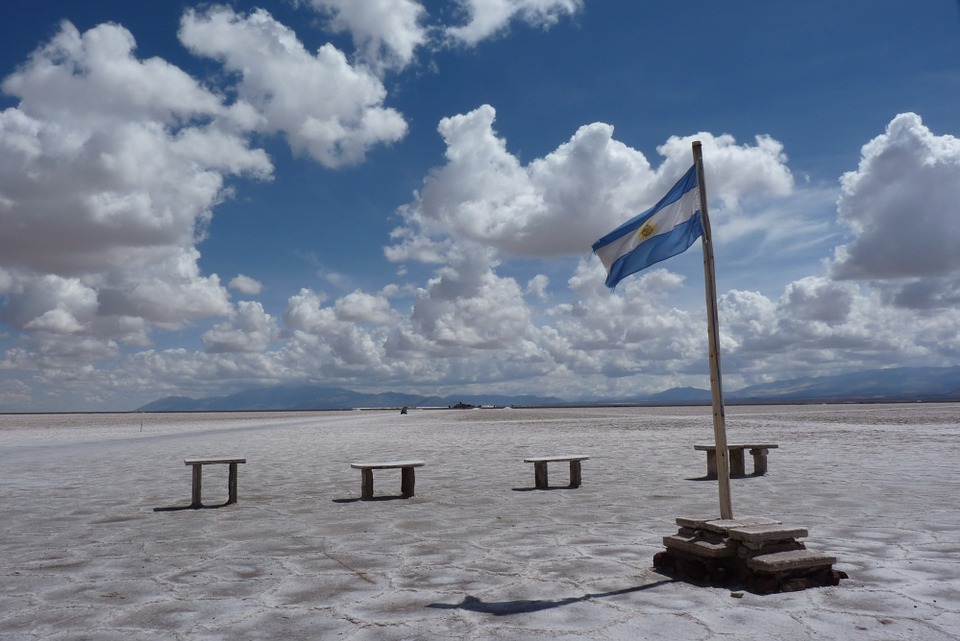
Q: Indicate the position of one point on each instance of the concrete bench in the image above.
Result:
(540, 468)
(408, 477)
(759, 452)
(198, 464)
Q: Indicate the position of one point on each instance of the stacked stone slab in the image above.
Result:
(762, 554)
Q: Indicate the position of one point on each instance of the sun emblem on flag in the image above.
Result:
(646, 231)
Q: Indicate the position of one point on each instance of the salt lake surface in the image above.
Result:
(477, 553)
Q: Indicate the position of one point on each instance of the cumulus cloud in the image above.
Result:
(484, 208)
(472, 211)
(109, 169)
(94, 75)
(559, 204)
(329, 336)
(631, 331)
(15, 393)
(290, 88)
(467, 304)
(250, 330)
(818, 327)
(819, 300)
(900, 206)
(246, 285)
(51, 303)
(107, 155)
(359, 307)
(537, 286)
(733, 171)
(386, 33)
(486, 18)
(171, 295)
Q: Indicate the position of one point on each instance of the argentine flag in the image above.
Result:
(666, 229)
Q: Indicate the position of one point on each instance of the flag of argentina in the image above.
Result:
(666, 229)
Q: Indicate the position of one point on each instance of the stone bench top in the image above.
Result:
(792, 560)
(722, 526)
(385, 466)
(212, 460)
(698, 547)
(766, 533)
(548, 459)
(738, 446)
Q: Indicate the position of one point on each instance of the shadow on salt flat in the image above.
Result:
(177, 508)
(524, 606)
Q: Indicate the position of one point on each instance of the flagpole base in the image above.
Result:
(758, 554)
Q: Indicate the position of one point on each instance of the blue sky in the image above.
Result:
(402, 195)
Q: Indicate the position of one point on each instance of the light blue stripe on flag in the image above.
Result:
(666, 229)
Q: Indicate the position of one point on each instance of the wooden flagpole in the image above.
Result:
(716, 389)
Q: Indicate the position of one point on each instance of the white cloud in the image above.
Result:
(473, 209)
(293, 90)
(820, 327)
(250, 330)
(305, 311)
(91, 172)
(537, 286)
(14, 394)
(486, 18)
(732, 171)
(631, 330)
(57, 321)
(109, 169)
(171, 294)
(466, 304)
(246, 285)
(51, 303)
(901, 207)
(329, 339)
(79, 78)
(359, 307)
(560, 204)
(386, 33)
(818, 300)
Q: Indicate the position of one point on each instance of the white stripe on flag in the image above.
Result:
(666, 229)
(662, 222)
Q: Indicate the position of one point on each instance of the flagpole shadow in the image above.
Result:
(525, 606)
(179, 508)
(386, 497)
(542, 489)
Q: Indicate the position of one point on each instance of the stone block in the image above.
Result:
(788, 561)
(698, 547)
(764, 533)
(723, 526)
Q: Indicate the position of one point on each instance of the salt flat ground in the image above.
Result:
(477, 553)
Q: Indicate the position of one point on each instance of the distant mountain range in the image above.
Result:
(317, 397)
(902, 384)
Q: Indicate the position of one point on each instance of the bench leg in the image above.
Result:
(574, 473)
(408, 479)
(736, 462)
(759, 460)
(232, 484)
(540, 474)
(197, 486)
(366, 484)
(711, 464)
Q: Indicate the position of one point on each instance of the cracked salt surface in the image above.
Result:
(477, 553)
